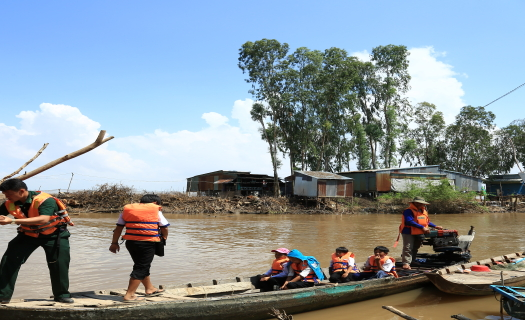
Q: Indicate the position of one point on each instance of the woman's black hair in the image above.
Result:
(341, 249)
(382, 249)
(150, 198)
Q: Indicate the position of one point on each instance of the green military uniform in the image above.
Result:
(21, 247)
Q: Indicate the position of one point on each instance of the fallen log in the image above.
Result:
(399, 313)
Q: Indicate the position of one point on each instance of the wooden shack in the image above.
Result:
(318, 184)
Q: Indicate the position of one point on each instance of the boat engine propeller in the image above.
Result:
(450, 248)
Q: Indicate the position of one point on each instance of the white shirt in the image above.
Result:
(387, 266)
(304, 273)
(162, 221)
(351, 262)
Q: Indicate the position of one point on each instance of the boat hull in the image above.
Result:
(476, 284)
(513, 309)
(249, 306)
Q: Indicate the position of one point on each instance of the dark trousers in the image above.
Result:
(17, 253)
(370, 275)
(299, 284)
(337, 277)
(142, 253)
(270, 283)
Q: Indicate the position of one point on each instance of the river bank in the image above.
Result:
(108, 198)
(180, 203)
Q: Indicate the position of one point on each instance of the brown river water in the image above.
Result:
(208, 247)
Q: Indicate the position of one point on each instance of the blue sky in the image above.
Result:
(162, 76)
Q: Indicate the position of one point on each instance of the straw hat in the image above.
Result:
(420, 200)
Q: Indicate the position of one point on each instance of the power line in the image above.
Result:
(505, 94)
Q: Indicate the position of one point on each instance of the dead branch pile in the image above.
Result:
(103, 198)
(113, 197)
(181, 203)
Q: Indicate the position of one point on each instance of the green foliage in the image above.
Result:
(469, 142)
(324, 109)
(442, 197)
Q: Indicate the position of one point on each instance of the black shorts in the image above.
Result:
(142, 253)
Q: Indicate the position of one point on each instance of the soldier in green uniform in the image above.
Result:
(41, 224)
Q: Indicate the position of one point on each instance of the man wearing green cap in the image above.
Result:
(414, 224)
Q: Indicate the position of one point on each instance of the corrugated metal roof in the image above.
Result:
(391, 169)
(221, 172)
(323, 175)
(455, 172)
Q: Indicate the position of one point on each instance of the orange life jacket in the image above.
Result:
(376, 268)
(420, 217)
(298, 267)
(142, 222)
(277, 265)
(59, 218)
(342, 264)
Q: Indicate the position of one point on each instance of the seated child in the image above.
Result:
(342, 266)
(303, 271)
(276, 275)
(379, 265)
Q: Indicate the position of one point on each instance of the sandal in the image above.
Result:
(136, 300)
(155, 293)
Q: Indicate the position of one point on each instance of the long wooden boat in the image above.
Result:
(222, 299)
(453, 280)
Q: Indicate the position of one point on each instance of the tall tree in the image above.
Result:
(382, 83)
(510, 142)
(264, 61)
(428, 134)
(469, 148)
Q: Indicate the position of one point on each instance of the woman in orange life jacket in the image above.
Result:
(42, 221)
(414, 225)
(276, 275)
(142, 221)
(342, 266)
(378, 265)
(303, 271)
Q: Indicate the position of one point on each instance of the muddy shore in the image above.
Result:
(112, 200)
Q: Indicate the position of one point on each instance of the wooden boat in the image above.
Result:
(453, 280)
(512, 299)
(221, 299)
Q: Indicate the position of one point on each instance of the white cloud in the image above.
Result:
(435, 81)
(432, 81)
(214, 119)
(134, 160)
(362, 55)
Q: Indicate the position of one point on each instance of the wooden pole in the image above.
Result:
(25, 164)
(72, 174)
(399, 313)
(99, 141)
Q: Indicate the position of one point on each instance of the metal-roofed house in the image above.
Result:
(318, 184)
(374, 181)
(230, 183)
(505, 184)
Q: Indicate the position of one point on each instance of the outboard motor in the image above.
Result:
(450, 248)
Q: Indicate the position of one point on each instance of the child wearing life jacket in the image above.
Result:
(303, 271)
(276, 275)
(342, 266)
(379, 265)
